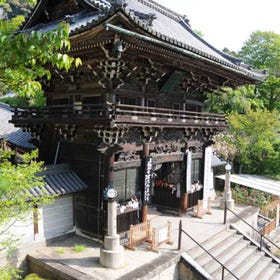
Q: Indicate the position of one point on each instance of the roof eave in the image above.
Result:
(249, 75)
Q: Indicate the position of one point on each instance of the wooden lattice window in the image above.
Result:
(126, 182)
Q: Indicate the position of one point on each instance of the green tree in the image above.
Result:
(269, 93)
(16, 199)
(257, 141)
(24, 57)
(262, 51)
(229, 100)
(25, 60)
(229, 52)
(13, 8)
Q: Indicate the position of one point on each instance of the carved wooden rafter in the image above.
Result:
(149, 134)
(66, 132)
(198, 83)
(128, 156)
(35, 130)
(166, 147)
(112, 67)
(110, 136)
(200, 134)
(153, 71)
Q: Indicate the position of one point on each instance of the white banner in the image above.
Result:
(188, 171)
(208, 176)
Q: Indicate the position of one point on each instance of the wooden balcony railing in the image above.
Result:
(120, 113)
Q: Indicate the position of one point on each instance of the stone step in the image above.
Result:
(246, 265)
(275, 275)
(226, 256)
(255, 270)
(270, 272)
(196, 251)
(236, 261)
(219, 249)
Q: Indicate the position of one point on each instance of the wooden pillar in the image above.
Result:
(183, 203)
(184, 192)
(110, 178)
(145, 206)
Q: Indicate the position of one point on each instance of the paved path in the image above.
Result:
(86, 262)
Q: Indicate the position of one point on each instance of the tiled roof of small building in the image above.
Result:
(60, 180)
(12, 134)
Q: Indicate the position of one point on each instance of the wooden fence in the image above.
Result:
(200, 211)
(137, 234)
(268, 228)
(159, 236)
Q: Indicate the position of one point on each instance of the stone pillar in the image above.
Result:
(112, 253)
(227, 198)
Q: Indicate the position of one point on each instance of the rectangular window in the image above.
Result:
(126, 183)
(197, 170)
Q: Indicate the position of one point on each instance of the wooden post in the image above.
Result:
(110, 176)
(209, 211)
(145, 206)
(183, 204)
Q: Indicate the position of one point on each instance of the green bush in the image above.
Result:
(33, 276)
(249, 196)
(78, 248)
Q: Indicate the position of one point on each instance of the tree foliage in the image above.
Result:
(262, 51)
(15, 184)
(25, 56)
(13, 8)
(253, 111)
(256, 138)
(16, 200)
(228, 100)
(269, 93)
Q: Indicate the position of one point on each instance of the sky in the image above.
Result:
(228, 23)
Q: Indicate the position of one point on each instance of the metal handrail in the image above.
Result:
(260, 233)
(205, 250)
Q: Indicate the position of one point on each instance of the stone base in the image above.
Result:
(112, 242)
(112, 258)
(230, 203)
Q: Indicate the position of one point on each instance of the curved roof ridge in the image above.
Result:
(226, 56)
(102, 4)
(161, 9)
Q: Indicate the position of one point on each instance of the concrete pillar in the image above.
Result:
(112, 253)
(112, 221)
(227, 197)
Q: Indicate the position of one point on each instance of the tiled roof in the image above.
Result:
(160, 22)
(12, 134)
(60, 180)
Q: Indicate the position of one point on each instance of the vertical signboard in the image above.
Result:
(147, 180)
(188, 171)
(208, 176)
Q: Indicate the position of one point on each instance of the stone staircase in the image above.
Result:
(237, 254)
